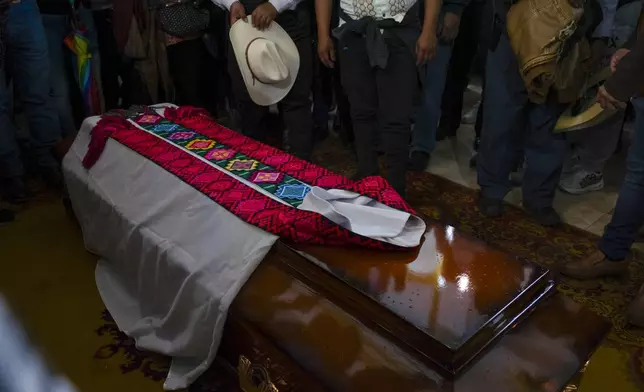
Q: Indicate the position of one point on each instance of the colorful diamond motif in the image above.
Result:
(263, 177)
(220, 154)
(200, 144)
(181, 136)
(164, 127)
(292, 191)
(242, 164)
(149, 119)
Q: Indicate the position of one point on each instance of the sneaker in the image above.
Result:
(470, 116)
(595, 266)
(418, 161)
(6, 216)
(582, 181)
(492, 208)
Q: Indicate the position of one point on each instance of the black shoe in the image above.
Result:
(14, 191)
(418, 161)
(545, 216)
(492, 208)
(6, 216)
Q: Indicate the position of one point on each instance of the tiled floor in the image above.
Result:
(589, 212)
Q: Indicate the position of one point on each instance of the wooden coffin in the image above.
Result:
(454, 315)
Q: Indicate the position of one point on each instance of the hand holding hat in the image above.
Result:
(268, 59)
(264, 15)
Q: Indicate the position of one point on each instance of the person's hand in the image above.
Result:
(237, 12)
(607, 101)
(326, 51)
(451, 25)
(617, 57)
(264, 15)
(425, 47)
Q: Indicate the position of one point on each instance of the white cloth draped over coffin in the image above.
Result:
(172, 260)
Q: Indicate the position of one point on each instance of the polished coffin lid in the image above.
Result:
(445, 302)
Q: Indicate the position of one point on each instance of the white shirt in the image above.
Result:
(280, 5)
(377, 9)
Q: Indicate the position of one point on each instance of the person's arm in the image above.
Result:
(628, 78)
(266, 12)
(452, 10)
(326, 50)
(426, 45)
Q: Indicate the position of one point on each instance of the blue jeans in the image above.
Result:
(428, 114)
(57, 28)
(510, 122)
(28, 64)
(629, 215)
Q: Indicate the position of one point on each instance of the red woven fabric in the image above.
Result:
(251, 206)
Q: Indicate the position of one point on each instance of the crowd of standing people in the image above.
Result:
(395, 70)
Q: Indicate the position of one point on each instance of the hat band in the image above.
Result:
(255, 77)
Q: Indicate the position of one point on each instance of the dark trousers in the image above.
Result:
(295, 107)
(464, 51)
(510, 120)
(113, 65)
(187, 62)
(628, 218)
(381, 99)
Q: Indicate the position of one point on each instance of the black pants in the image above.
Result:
(113, 65)
(187, 61)
(467, 48)
(381, 99)
(295, 107)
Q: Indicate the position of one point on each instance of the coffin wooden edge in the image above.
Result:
(416, 342)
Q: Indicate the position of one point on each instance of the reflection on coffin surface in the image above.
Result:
(452, 315)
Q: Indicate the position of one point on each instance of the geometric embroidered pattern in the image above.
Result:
(246, 202)
(292, 191)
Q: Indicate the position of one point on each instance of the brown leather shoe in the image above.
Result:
(595, 266)
(635, 311)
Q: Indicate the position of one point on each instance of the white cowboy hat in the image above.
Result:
(268, 60)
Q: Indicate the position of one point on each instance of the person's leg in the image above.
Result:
(545, 152)
(252, 117)
(396, 87)
(185, 61)
(593, 148)
(297, 104)
(57, 28)
(320, 102)
(463, 54)
(359, 82)
(428, 113)
(110, 58)
(619, 235)
(504, 122)
(31, 77)
(629, 214)
(342, 101)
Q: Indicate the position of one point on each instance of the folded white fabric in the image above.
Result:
(365, 216)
